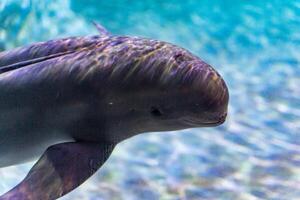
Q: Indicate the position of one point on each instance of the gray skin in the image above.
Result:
(101, 89)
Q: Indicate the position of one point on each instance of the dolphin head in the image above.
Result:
(162, 87)
(190, 93)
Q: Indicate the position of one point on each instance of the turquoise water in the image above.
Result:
(253, 44)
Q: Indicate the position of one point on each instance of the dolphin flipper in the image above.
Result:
(62, 168)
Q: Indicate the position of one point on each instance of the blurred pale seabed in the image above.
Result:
(253, 44)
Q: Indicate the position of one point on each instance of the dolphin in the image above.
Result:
(70, 101)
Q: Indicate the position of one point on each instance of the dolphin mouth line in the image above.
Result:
(192, 122)
(205, 123)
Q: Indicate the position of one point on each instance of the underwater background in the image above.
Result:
(255, 45)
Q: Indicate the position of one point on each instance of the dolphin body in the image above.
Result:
(74, 99)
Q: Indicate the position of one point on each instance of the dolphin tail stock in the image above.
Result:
(61, 168)
(101, 29)
(41, 51)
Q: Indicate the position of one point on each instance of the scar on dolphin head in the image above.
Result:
(110, 88)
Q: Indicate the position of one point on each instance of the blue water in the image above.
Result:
(253, 44)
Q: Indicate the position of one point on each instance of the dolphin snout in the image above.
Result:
(218, 96)
(213, 93)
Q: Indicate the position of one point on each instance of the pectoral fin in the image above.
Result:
(62, 168)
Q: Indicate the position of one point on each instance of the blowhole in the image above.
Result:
(179, 58)
(155, 112)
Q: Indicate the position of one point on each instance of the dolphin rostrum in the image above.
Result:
(74, 99)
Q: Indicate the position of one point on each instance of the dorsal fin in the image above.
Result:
(101, 29)
(38, 52)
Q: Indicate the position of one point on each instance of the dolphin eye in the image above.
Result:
(155, 112)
